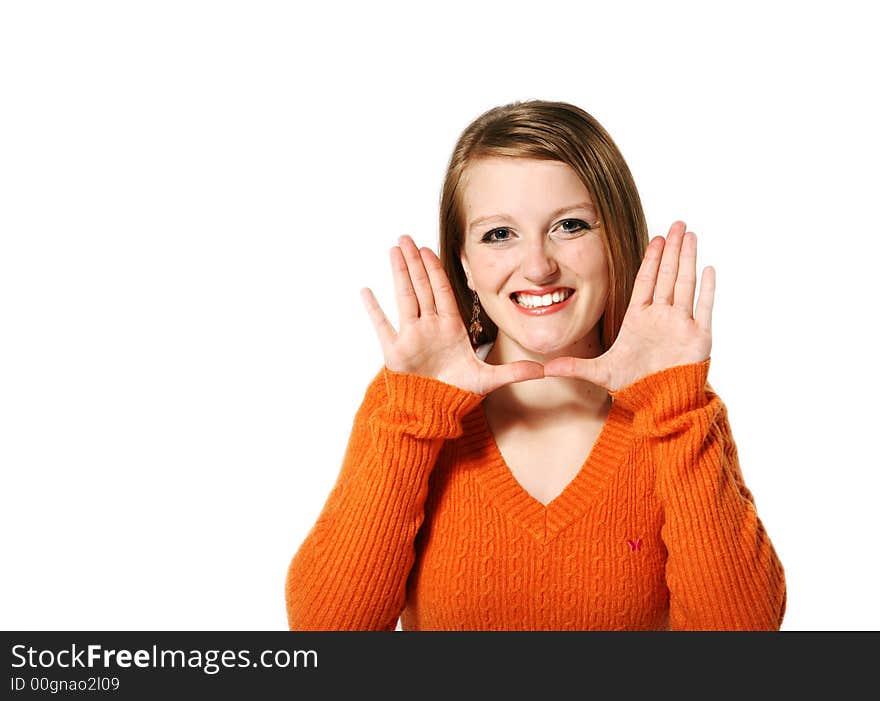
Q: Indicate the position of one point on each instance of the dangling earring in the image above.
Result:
(475, 328)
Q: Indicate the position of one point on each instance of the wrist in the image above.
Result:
(427, 406)
(666, 393)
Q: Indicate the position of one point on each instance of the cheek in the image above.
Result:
(487, 271)
(590, 265)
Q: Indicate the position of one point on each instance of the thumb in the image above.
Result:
(518, 371)
(589, 369)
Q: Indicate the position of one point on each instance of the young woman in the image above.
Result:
(561, 462)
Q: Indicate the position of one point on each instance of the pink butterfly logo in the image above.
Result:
(635, 544)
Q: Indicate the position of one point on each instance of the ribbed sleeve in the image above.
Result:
(350, 572)
(722, 571)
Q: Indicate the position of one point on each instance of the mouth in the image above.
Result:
(546, 303)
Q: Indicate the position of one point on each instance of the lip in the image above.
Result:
(543, 291)
(543, 311)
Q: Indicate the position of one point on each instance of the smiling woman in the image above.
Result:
(515, 277)
(561, 463)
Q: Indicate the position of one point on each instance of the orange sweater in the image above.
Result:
(427, 523)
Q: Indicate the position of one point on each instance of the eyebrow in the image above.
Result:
(553, 214)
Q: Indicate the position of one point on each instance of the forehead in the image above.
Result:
(503, 182)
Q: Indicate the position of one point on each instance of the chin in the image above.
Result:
(546, 346)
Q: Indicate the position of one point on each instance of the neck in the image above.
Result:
(550, 397)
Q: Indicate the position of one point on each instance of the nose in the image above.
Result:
(538, 264)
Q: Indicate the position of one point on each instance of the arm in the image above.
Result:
(722, 570)
(350, 572)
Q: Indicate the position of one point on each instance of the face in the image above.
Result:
(534, 255)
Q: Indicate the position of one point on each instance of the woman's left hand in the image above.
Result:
(660, 329)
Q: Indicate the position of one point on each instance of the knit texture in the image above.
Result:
(427, 524)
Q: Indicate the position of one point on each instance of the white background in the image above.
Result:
(192, 194)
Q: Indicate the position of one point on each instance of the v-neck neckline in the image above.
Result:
(545, 522)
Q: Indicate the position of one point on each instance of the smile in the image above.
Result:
(542, 304)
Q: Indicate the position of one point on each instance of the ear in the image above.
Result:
(467, 270)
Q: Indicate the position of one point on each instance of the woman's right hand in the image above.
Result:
(432, 340)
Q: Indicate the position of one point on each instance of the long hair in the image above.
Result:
(555, 131)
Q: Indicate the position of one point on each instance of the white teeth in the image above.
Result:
(533, 301)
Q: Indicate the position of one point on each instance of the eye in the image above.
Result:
(487, 237)
(580, 225)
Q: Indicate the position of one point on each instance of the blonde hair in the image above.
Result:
(555, 131)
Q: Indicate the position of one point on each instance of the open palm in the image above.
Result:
(432, 340)
(660, 328)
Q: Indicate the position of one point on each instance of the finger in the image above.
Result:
(444, 297)
(407, 302)
(582, 368)
(669, 264)
(686, 281)
(384, 330)
(418, 275)
(517, 371)
(706, 300)
(646, 278)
